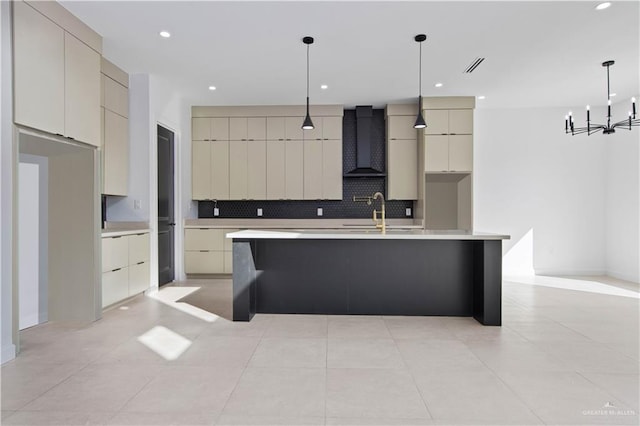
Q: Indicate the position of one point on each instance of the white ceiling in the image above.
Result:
(538, 54)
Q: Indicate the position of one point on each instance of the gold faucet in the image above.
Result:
(380, 223)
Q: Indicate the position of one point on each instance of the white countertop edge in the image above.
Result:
(106, 233)
(357, 234)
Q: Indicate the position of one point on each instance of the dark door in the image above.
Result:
(166, 218)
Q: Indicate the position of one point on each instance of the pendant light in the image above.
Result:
(420, 123)
(307, 124)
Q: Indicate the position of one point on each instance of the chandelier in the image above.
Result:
(606, 128)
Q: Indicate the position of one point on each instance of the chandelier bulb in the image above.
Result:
(609, 102)
(587, 107)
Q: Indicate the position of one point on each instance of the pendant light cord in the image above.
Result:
(608, 90)
(307, 73)
(420, 72)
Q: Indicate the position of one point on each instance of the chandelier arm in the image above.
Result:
(625, 124)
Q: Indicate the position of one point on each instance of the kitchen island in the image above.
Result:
(365, 272)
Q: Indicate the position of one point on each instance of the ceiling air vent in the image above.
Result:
(471, 68)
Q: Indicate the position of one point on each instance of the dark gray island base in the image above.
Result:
(340, 273)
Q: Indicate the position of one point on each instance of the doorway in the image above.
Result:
(166, 203)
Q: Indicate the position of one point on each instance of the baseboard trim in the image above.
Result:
(8, 353)
(567, 272)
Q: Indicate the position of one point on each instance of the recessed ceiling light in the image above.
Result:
(481, 97)
(324, 87)
(212, 87)
(603, 6)
(438, 84)
(612, 94)
(165, 34)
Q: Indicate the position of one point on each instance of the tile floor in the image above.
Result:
(567, 354)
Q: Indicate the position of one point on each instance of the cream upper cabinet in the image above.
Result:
(437, 121)
(115, 96)
(200, 170)
(460, 153)
(39, 51)
(401, 127)
(402, 169)
(200, 129)
(257, 170)
(313, 169)
(219, 166)
(294, 170)
(316, 132)
(256, 128)
(116, 154)
(276, 170)
(238, 129)
(275, 129)
(238, 170)
(82, 91)
(331, 128)
(219, 129)
(436, 153)
(332, 168)
(293, 128)
(461, 121)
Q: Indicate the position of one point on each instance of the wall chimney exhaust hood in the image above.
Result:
(364, 168)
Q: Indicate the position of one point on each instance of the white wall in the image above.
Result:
(7, 337)
(542, 187)
(623, 203)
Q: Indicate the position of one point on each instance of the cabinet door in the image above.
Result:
(204, 262)
(115, 253)
(461, 121)
(332, 169)
(38, 70)
(220, 170)
(276, 170)
(257, 128)
(238, 129)
(315, 133)
(201, 170)
(228, 262)
(312, 169)
(436, 153)
(293, 128)
(238, 172)
(401, 127)
(227, 242)
(116, 96)
(219, 129)
(138, 278)
(82, 91)
(257, 170)
(138, 248)
(332, 128)
(402, 169)
(116, 154)
(275, 128)
(437, 121)
(200, 129)
(460, 153)
(294, 170)
(207, 239)
(115, 286)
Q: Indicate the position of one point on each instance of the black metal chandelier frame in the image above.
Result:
(608, 128)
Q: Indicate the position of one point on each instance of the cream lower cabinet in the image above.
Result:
(207, 251)
(125, 267)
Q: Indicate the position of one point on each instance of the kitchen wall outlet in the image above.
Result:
(407, 212)
(259, 212)
(216, 211)
(319, 213)
(137, 204)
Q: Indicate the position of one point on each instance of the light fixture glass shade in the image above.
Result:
(420, 123)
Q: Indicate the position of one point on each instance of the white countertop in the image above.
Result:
(364, 234)
(106, 233)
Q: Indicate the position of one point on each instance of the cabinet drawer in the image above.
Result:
(203, 239)
(138, 278)
(138, 248)
(228, 262)
(115, 286)
(115, 253)
(204, 262)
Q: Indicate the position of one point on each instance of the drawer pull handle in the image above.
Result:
(116, 270)
(120, 236)
(139, 263)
